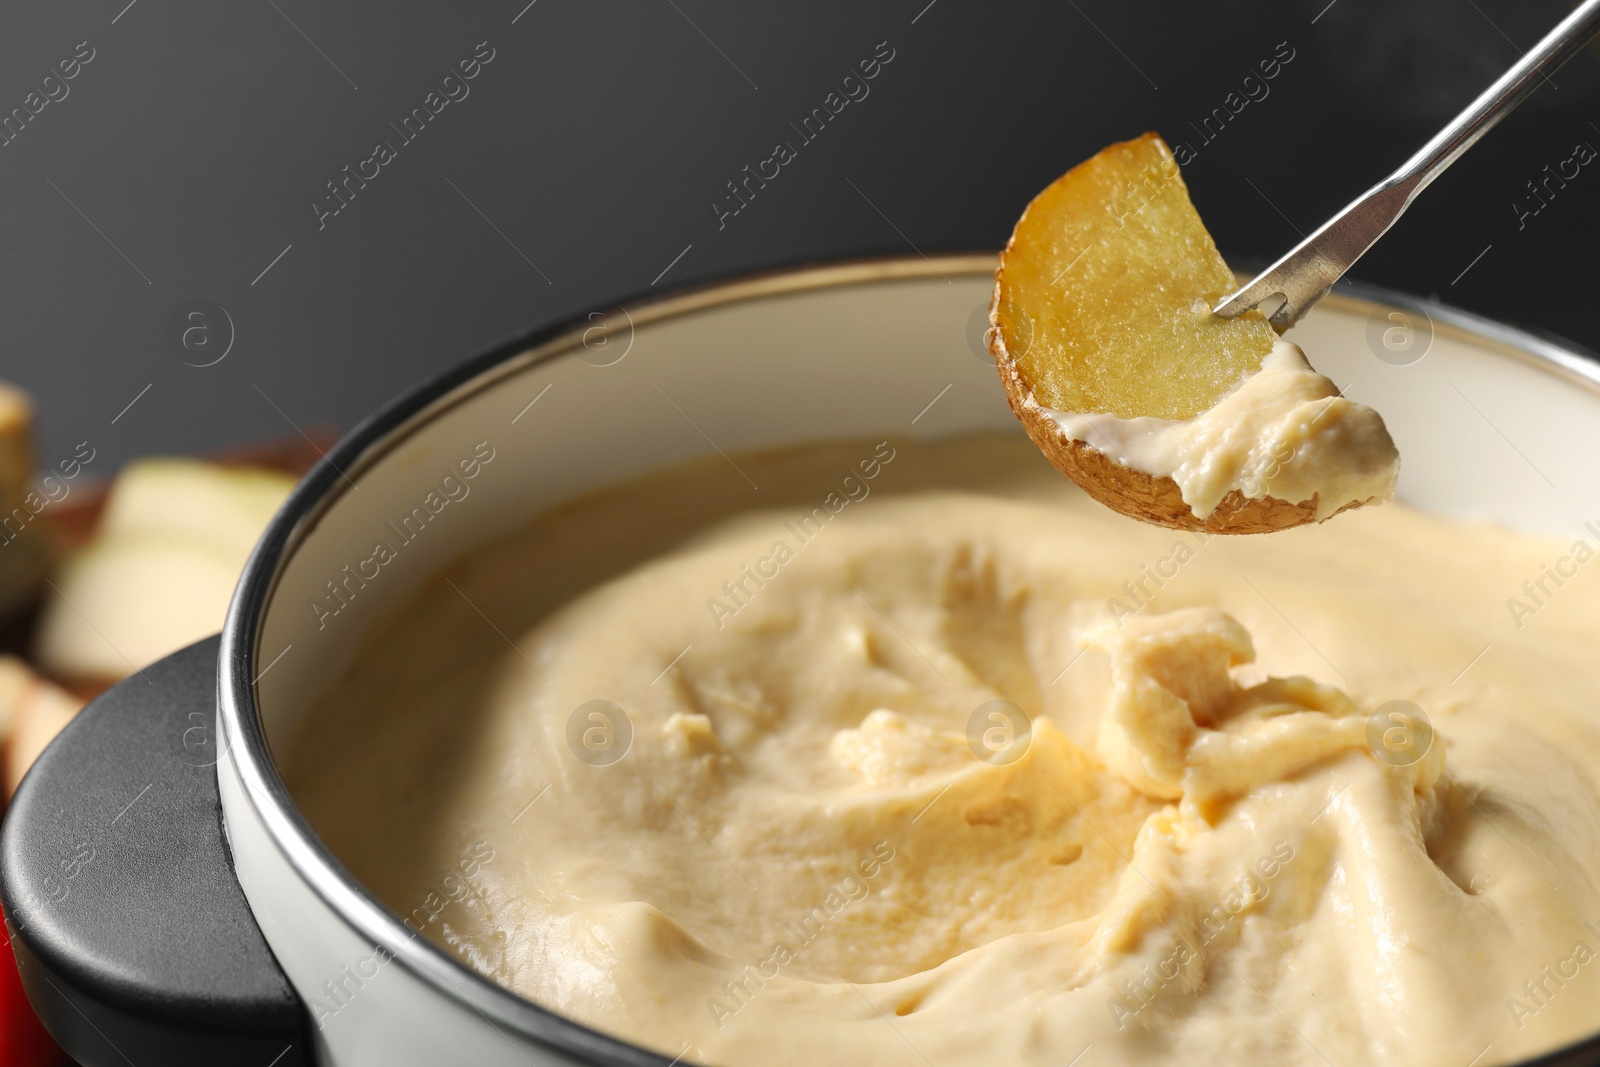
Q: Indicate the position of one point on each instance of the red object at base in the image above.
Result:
(24, 1042)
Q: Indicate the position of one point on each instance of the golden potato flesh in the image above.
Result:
(1104, 293)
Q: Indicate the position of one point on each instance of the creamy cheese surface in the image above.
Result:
(1285, 432)
(931, 760)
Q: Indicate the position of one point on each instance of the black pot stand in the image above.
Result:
(133, 938)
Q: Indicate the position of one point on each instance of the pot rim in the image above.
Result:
(247, 749)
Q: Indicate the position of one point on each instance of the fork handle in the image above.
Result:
(1495, 102)
(1309, 269)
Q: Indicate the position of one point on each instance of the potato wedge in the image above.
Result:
(1102, 304)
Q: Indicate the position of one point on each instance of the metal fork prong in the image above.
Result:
(1310, 268)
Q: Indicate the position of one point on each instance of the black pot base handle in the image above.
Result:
(133, 938)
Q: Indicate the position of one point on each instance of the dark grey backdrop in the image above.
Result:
(583, 165)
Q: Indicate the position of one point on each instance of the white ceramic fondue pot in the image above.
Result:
(146, 936)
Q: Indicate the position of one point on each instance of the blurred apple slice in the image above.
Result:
(126, 601)
(159, 572)
(32, 712)
(16, 445)
(228, 506)
(24, 547)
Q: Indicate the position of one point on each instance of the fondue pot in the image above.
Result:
(170, 905)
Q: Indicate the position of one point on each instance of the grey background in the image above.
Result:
(586, 158)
